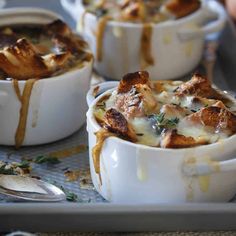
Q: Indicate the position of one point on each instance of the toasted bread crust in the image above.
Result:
(116, 122)
(170, 139)
(58, 27)
(198, 86)
(181, 8)
(217, 117)
(131, 79)
(174, 111)
(133, 10)
(21, 61)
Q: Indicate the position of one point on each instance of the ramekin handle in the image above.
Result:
(3, 98)
(98, 89)
(209, 167)
(213, 9)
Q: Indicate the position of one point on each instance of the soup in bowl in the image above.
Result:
(45, 72)
(163, 141)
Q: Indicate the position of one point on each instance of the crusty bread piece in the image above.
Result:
(53, 61)
(131, 79)
(149, 102)
(217, 117)
(174, 111)
(58, 27)
(20, 61)
(198, 86)
(73, 43)
(138, 102)
(116, 122)
(181, 8)
(171, 139)
(133, 10)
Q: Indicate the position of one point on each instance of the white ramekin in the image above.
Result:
(134, 173)
(57, 104)
(177, 46)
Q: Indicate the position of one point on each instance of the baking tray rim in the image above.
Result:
(109, 208)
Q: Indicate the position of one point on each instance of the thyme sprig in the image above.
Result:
(159, 122)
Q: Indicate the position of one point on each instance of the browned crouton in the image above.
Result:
(133, 10)
(116, 122)
(198, 86)
(131, 79)
(139, 102)
(58, 27)
(170, 139)
(149, 102)
(181, 8)
(20, 61)
(174, 111)
(217, 117)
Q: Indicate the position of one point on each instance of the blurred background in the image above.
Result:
(224, 71)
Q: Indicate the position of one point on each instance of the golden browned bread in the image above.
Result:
(131, 79)
(198, 86)
(174, 111)
(116, 122)
(181, 8)
(171, 139)
(133, 10)
(21, 61)
(58, 27)
(216, 117)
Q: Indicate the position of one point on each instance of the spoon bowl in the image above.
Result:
(30, 189)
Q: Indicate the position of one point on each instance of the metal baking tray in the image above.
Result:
(91, 212)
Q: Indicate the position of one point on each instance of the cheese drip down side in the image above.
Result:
(146, 46)
(101, 136)
(101, 27)
(23, 115)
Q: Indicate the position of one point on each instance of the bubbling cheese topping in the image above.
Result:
(177, 118)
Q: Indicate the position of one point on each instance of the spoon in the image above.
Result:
(30, 189)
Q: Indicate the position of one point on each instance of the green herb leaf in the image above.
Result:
(46, 159)
(70, 196)
(24, 164)
(171, 123)
(7, 171)
(160, 118)
(159, 123)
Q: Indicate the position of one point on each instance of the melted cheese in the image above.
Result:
(145, 133)
(199, 132)
(176, 116)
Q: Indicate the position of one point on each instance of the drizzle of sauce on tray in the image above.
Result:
(69, 151)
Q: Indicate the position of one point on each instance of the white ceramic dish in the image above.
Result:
(133, 173)
(177, 46)
(57, 104)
